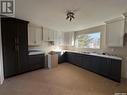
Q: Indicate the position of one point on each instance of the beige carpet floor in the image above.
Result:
(66, 79)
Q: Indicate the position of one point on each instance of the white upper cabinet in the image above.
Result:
(69, 38)
(126, 24)
(39, 36)
(125, 14)
(115, 32)
(59, 38)
(45, 34)
(34, 35)
(48, 34)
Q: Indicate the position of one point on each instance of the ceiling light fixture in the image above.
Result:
(70, 15)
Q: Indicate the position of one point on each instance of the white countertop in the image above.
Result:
(106, 56)
(95, 54)
(35, 53)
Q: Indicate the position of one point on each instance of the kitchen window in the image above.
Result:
(90, 40)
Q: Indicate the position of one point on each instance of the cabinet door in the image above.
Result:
(22, 46)
(34, 35)
(104, 66)
(51, 36)
(115, 71)
(31, 35)
(94, 63)
(60, 57)
(59, 38)
(69, 38)
(86, 62)
(45, 34)
(36, 61)
(38, 38)
(115, 33)
(56, 40)
(125, 24)
(70, 57)
(77, 59)
(10, 62)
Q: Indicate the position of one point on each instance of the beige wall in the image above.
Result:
(122, 52)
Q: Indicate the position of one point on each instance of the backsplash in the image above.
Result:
(47, 47)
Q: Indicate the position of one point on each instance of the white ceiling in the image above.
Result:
(51, 13)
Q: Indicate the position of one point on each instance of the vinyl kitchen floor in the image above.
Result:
(66, 79)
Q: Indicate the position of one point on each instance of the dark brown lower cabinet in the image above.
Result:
(107, 67)
(61, 57)
(36, 61)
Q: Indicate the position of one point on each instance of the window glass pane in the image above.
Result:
(91, 40)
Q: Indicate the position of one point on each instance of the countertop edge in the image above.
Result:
(99, 55)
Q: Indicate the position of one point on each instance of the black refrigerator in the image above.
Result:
(15, 46)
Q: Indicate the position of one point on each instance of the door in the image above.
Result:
(9, 50)
(22, 46)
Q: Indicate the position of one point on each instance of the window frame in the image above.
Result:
(100, 46)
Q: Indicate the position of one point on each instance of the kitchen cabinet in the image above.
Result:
(115, 32)
(48, 34)
(71, 57)
(75, 58)
(15, 46)
(34, 35)
(59, 38)
(53, 36)
(36, 61)
(69, 38)
(115, 70)
(125, 14)
(126, 24)
(107, 67)
(86, 62)
(104, 66)
(61, 57)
